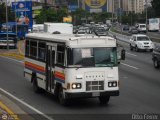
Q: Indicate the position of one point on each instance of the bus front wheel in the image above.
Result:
(61, 97)
(104, 99)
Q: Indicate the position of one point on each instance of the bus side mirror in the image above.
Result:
(123, 54)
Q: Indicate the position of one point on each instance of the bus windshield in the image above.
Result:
(93, 57)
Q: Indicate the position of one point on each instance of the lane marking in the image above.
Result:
(131, 54)
(26, 104)
(130, 66)
(12, 59)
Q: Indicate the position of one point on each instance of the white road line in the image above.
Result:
(130, 66)
(27, 105)
(12, 59)
(130, 54)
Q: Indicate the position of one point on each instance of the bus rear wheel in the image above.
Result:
(104, 100)
(36, 89)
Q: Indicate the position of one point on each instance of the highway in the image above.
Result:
(139, 91)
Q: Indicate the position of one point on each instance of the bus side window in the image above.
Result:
(69, 56)
(41, 51)
(33, 49)
(60, 55)
(53, 58)
(27, 48)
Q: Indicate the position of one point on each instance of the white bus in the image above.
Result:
(70, 66)
(154, 24)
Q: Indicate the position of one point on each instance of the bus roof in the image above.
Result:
(74, 40)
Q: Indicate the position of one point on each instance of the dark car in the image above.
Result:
(156, 56)
(100, 31)
(133, 30)
(125, 27)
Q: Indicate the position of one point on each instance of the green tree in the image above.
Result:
(51, 15)
(151, 12)
(156, 7)
(10, 14)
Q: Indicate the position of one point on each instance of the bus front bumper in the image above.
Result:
(91, 94)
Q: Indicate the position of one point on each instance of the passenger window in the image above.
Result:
(60, 55)
(41, 51)
(33, 49)
(53, 58)
(27, 48)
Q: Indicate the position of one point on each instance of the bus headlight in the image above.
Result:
(112, 84)
(76, 85)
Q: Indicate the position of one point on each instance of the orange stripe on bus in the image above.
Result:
(34, 66)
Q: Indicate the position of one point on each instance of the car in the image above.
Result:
(133, 30)
(156, 56)
(125, 27)
(141, 28)
(141, 42)
(100, 31)
(81, 31)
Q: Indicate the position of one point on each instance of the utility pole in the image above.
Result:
(146, 12)
(112, 9)
(7, 24)
(120, 16)
(15, 15)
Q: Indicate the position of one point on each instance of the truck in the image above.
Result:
(70, 66)
(63, 28)
(153, 24)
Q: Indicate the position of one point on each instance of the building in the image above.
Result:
(136, 6)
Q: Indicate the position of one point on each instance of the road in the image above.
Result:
(139, 90)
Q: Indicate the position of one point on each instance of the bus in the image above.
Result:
(20, 29)
(153, 24)
(72, 66)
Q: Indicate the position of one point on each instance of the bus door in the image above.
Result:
(50, 67)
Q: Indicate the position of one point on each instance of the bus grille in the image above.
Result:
(94, 85)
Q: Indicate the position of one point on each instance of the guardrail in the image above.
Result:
(126, 38)
(121, 37)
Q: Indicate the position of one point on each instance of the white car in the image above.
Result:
(141, 28)
(141, 42)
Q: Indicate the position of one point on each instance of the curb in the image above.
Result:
(13, 55)
(7, 113)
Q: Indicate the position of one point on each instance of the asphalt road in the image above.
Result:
(139, 91)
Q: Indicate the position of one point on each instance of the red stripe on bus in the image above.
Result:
(34, 66)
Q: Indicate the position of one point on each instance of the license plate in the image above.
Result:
(95, 94)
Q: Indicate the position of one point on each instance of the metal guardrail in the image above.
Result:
(121, 37)
(126, 38)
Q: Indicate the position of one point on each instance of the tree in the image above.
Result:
(156, 7)
(10, 14)
(51, 15)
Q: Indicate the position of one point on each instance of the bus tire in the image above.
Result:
(36, 89)
(156, 64)
(104, 100)
(61, 97)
